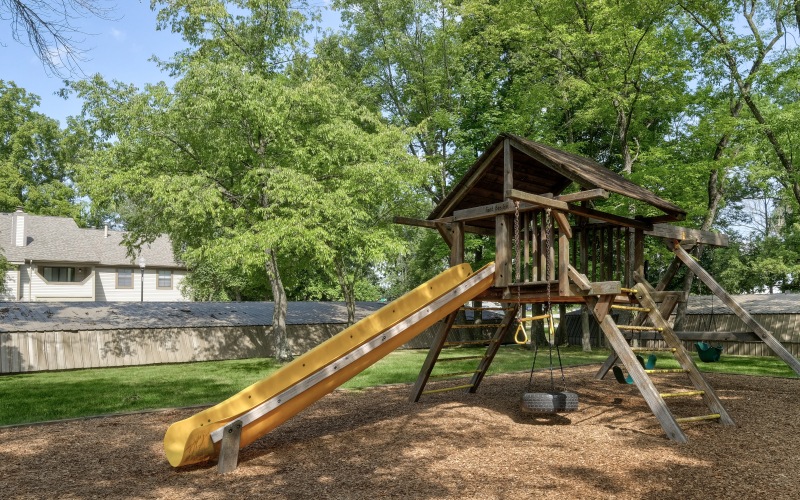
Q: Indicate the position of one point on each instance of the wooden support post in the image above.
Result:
(456, 230)
(563, 264)
(508, 169)
(433, 355)
(738, 310)
(502, 276)
(229, 450)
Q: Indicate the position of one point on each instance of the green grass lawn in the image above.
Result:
(38, 397)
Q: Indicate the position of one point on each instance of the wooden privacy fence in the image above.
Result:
(63, 336)
(784, 326)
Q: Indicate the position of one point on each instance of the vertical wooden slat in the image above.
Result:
(536, 247)
(584, 267)
(526, 221)
(618, 243)
(515, 237)
(552, 256)
(638, 253)
(628, 259)
(563, 265)
(593, 241)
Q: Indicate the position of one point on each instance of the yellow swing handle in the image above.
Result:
(521, 329)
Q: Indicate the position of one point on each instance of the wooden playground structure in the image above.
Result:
(552, 248)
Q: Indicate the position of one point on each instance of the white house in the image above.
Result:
(55, 260)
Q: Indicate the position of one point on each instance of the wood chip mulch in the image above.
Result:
(375, 444)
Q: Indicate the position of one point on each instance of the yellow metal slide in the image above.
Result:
(268, 403)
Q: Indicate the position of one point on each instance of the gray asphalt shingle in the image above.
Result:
(59, 239)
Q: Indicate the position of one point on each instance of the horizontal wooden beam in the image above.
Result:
(614, 219)
(529, 201)
(536, 199)
(482, 212)
(664, 218)
(407, 221)
(591, 194)
(719, 336)
(597, 288)
(669, 232)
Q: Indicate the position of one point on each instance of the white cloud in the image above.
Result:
(118, 34)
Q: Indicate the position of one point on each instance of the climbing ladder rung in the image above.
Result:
(459, 358)
(668, 370)
(483, 325)
(470, 342)
(454, 374)
(684, 394)
(630, 308)
(629, 290)
(640, 328)
(456, 388)
(712, 416)
(653, 349)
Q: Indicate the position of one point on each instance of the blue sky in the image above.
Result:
(119, 48)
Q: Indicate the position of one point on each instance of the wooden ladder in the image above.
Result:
(643, 303)
(441, 341)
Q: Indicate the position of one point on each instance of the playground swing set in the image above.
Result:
(551, 247)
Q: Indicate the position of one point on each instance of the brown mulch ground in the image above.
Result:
(374, 444)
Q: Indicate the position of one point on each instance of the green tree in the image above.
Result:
(248, 164)
(35, 170)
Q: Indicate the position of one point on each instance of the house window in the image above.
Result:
(125, 278)
(165, 279)
(59, 274)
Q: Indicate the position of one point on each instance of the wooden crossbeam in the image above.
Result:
(589, 194)
(670, 232)
(429, 224)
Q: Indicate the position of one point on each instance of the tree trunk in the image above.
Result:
(586, 337)
(281, 342)
(348, 291)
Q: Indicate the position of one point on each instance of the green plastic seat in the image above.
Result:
(707, 352)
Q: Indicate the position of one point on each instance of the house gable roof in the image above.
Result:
(539, 169)
(60, 240)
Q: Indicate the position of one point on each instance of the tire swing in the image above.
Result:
(552, 401)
